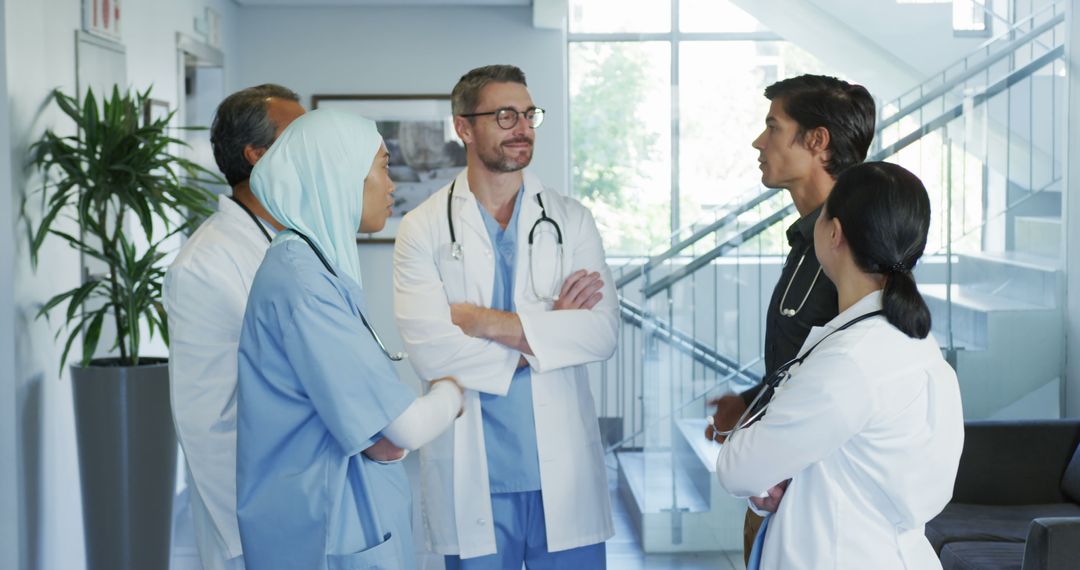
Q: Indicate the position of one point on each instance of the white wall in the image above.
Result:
(9, 487)
(407, 50)
(39, 51)
(921, 35)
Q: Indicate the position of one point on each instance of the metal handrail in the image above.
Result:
(905, 110)
(1014, 76)
(697, 398)
(727, 245)
(674, 250)
(1011, 206)
(706, 355)
(991, 90)
(968, 73)
(685, 343)
(741, 237)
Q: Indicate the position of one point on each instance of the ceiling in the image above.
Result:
(308, 3)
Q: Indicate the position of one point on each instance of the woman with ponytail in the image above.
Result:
(859, 445)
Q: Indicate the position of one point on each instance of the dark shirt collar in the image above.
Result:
(802, 231)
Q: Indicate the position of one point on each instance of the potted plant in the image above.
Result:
(117, 171)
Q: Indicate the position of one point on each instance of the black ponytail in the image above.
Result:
(903, 305)
(884, 211)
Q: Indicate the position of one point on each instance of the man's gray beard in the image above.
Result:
(504, 164)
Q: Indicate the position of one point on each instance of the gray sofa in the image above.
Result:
(1016, 503)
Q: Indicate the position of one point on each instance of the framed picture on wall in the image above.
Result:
(102, 18)
(425, 152)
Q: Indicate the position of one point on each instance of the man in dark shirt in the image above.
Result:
(816, 127)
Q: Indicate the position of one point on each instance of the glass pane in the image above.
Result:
(626, 16)
(620, 140)
(969, 16)
(715, 16)
(722, 110)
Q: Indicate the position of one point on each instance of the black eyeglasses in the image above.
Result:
(507, 117)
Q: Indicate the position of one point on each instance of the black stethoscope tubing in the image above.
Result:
(532, 231)
(394, 356)
(254, 219)
(754, 411)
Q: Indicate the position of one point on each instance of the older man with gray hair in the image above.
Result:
(205, 293)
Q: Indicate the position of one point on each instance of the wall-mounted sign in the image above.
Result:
(102, 18)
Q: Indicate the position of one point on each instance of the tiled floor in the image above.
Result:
(623, 551)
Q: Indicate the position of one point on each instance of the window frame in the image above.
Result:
(675, 37)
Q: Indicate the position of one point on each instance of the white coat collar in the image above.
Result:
(230, 209)
(462, 191)
(469, 214)
(868, 304)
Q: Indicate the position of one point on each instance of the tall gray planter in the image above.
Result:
(127, 463)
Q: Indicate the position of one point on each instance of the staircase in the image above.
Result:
(692, 316)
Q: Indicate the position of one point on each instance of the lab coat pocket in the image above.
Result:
(382, 556)
(452, 273)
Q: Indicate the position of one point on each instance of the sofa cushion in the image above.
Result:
(1070, 483)
(982, 556)
(961, 522)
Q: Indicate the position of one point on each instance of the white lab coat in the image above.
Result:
(205, 294)
(456, 497)
(869, 429)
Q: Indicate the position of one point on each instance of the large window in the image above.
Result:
(661, 119)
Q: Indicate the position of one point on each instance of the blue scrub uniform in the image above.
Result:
(314, 391)
(517, 504)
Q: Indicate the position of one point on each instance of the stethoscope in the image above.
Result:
(254, 219)
(783, 300)
(458, 253)
(394, 356)
(782, 374)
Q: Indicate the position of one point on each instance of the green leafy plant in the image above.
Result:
(117, 166)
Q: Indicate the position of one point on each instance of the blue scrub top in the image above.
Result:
(314, 391)
(509, 425)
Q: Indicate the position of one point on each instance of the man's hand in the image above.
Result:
(471, 319)
(581, 290)
(728, 409)
(384, 450)
(772, 502)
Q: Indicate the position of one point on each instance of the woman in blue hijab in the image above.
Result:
(316, 386)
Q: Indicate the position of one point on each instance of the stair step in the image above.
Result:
(971, 310)
(971, 315)
(1038, 235)
(657, 484)
(693, 435)
(966, 297)
(1014, 275)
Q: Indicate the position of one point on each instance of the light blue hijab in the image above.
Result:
(312, 180)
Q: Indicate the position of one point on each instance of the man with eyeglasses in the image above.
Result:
(503, 284)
